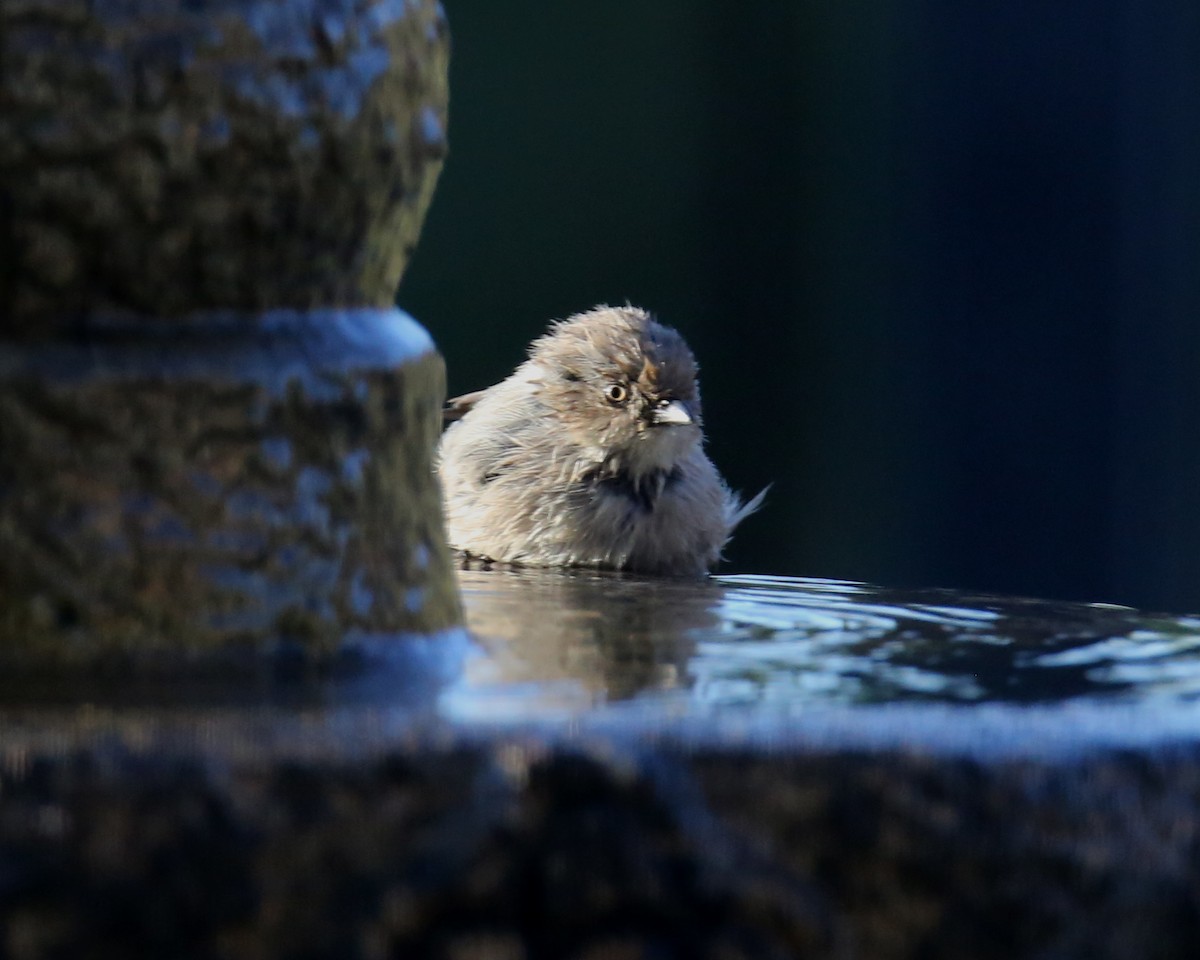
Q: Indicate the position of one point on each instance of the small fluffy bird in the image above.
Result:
(590, 455)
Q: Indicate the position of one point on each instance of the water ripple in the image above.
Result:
(771, 644)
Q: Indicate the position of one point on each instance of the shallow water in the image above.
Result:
(736, 659)
(732, 662)
(553, 643)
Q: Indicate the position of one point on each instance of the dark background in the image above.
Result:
(940, 262)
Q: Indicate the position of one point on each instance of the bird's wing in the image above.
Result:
(458, 407)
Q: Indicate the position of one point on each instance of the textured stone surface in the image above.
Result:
(234, 485)
(472, 811)
(471, 851)
(119, 841)
(167, 156)
(216, 441)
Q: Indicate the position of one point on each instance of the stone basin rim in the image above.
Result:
(989, 734)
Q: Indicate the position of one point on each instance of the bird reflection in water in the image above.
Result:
(575, 638)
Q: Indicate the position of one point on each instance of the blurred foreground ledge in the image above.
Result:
(611, 767)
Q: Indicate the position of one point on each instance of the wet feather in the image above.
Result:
(571, 461)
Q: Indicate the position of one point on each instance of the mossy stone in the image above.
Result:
(165, 156)
(216, 429)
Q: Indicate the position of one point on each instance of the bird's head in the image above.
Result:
(624, 387)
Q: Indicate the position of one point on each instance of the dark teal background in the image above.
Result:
(940, 263)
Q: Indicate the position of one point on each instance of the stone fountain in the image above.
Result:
(248, 709)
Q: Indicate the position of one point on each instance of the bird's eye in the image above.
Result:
(617, 393)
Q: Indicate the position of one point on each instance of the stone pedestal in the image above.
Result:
(163, 157)
(216, 429)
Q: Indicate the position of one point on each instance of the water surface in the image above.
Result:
(554, 643)
(772, 662)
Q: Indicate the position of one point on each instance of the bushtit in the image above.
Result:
(590, 455)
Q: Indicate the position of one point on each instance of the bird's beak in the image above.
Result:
(675, 413)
